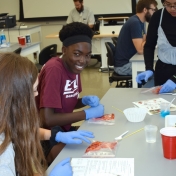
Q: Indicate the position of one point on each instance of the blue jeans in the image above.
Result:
(124, 70)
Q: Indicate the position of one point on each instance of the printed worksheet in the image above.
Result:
(103, 166)
(153, 105)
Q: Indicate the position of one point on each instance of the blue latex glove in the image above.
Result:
(144, 76)
(169, 86)
(90, 100)
(94, 112)
(74, 137)
(63, 169)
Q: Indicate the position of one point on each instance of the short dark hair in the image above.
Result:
(80, 1)
(75, 28)
(162, 1)
(144, 4)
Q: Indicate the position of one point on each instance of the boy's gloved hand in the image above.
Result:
(94, 112)
(63, 168)
(144, 76)
(90, 100)
(168, 86)
(74, 137)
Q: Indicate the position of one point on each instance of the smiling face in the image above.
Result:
(77, 56)
(170, 6)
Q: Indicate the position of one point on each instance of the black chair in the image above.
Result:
(114, 40)
(122, 80)
(96, 26)
(46, 54)
(18, 50)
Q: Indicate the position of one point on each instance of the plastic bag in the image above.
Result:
(154, 90)
(107, 119)
(100, 149)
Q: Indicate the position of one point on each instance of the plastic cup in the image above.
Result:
(28, 38)
(150, 133)
(168, 135)
(164, 109)
(135, 114)
(21, 40)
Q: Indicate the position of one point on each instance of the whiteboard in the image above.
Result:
(13, 8)
(10, 6)
(55, 8)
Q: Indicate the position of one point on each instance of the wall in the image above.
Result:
(12, 7)
(49, 28)
(42, 8)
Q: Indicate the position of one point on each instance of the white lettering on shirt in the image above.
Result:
(71, 88)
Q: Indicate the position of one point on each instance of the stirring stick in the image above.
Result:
(172, 101)
(117, 109)
(133, 133)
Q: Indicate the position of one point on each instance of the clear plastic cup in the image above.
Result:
(150, 133)
(164, 109)
(168, 135)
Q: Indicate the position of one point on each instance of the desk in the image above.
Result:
(148, 158)
(98, 46)
(16, 31)
(112, 18)
(138, 65)
(26, 49)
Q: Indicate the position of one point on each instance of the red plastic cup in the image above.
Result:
(22, 40)
(19, 39)
(168, 135)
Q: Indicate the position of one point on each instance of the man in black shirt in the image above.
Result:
(161, 32)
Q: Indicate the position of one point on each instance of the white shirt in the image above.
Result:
(86, 16)
(7, 160)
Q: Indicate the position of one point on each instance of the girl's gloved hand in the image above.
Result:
(94, 112)
(62, 169)
(168, 86)
(74, 137)
(90, 100)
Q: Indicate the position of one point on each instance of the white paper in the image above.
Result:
(153, 105)
(103, 166)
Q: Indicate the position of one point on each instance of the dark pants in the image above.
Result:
(163, 72)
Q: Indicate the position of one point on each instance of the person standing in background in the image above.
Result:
(81, 14)
(132, 37)
(161, 32)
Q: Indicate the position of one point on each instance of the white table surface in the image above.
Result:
(17, 31)
(138, 65)
(26, 49)
(148, 158)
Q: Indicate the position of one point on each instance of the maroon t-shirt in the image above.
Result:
(58, 88)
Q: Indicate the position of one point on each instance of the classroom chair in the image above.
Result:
(46, 54)
(122, 80)
(114, 40)
(18, 50)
